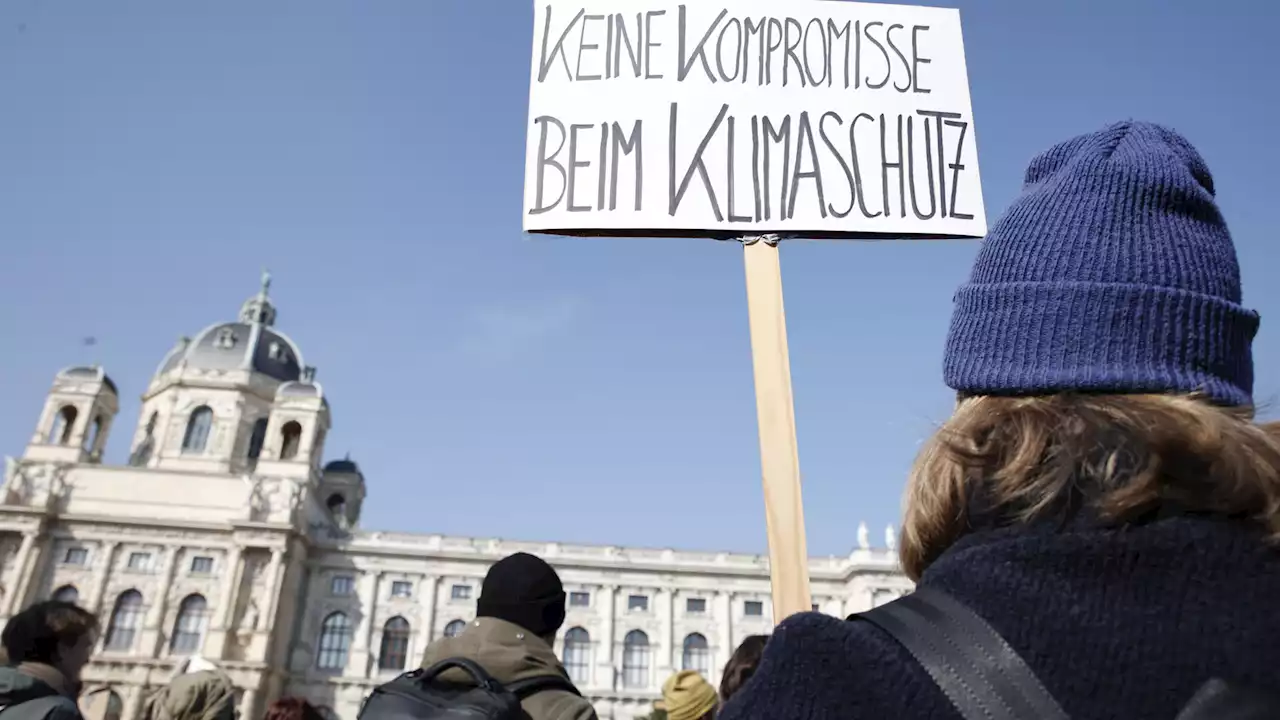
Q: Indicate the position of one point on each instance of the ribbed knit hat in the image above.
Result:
(525, 590)
(1112, 272)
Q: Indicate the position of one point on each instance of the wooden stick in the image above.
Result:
(775, 411)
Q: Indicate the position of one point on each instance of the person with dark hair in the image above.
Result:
(742, 665)
(46, 646)
(520, 609)
(1099, 519)
(293, 708)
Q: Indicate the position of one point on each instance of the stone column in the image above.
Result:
(152, 627)
(371, 631)
(20, 581)
(248, 704)
(225, 610)
(358, 661)
(666, 634)
(605, 676)
(272, 582)
(428, 587)
(100, 579)
(132, 701)
(724, 627)
(274, 578)
(226, 593)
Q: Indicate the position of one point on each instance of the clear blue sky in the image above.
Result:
(155, 155)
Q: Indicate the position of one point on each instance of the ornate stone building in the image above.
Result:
(225, 536)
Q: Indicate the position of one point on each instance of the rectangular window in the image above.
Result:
(342, 585)
(753, 608)
(695, 606)
(460, 592)
(201, 565)
(139, 561)
(76, 556)
(401, 588)
(638, 603)
(579, 599)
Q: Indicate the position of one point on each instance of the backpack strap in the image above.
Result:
(975, 668)
(534, 685)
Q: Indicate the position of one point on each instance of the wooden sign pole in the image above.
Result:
(776, 415)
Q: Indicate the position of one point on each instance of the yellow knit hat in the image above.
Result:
(687, 696)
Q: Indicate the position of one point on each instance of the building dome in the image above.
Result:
(93, 374)
(345, 465)
(250, 343)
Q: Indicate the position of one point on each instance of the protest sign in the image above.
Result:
(753, 120)
(807, 118)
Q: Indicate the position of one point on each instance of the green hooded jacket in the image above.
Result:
(24, 697)
(509, 652)
(204, 695)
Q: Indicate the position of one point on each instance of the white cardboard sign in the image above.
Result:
(709, 117)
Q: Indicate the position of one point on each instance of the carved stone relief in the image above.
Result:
(41, 485)
(275, 500)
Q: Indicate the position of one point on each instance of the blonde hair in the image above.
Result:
(1017, 460)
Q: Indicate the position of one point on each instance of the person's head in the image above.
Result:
(1101, 355)
(687, 696)
(742, 665)
(54, 633)
(293, 708)
(201, 695)
(523, 589)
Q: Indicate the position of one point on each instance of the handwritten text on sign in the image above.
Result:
(809, 117)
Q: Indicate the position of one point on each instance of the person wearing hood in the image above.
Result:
(46, 646)
(199, 690)
(686, 695)
(520, 609)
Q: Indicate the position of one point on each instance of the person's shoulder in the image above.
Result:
(816, 666)
(557, 704)
(50, 707)
(65, 710)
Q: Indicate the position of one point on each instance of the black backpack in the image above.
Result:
(418, 695)
(985, 679)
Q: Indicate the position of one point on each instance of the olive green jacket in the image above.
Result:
(508, 652)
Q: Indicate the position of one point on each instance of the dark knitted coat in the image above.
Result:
(1122, 624)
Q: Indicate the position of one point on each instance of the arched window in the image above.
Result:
(454, 628)
(95, 430)
(63, 423)
(697, 656)
(67, 593)
(577, 655)
(126, 621)
(103, 704)
(290, 439)
(142, 454)
(336, 503)
(198, 426)
(635, 660)
(335, 642)
(257, 438)
(395, 644)
(188, 629)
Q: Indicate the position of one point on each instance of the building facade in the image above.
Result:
(225, 536)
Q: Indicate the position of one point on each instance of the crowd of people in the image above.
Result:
(1099, 516)
(47, 645)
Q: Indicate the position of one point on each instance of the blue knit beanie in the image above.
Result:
(1112, 272)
